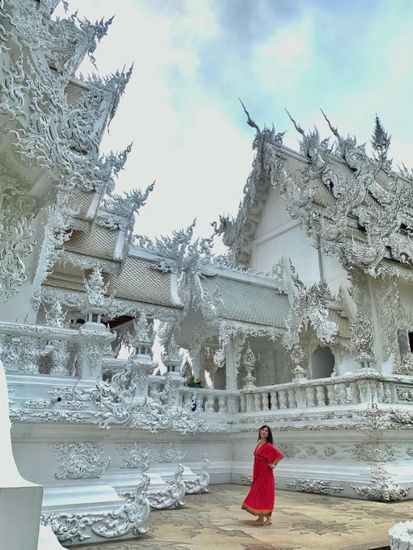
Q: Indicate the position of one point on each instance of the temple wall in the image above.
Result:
(19, 310)
(406, 297)
(278, 235)
(334, 273)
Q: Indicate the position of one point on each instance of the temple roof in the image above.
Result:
(100, 242)
(139, 281)
(358, 207)
(249, 302)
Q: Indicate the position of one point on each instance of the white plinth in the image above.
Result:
(401, 536)
(48, 540)
(20, 506)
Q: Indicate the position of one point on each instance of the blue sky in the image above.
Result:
(194, 58)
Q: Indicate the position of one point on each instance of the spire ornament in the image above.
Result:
(172, 358)
(380, 141)
(248, 362)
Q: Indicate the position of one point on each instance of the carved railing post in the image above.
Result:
(96, 338)
(209, 404)
(291, 399)
(222, 404)
(141, 361)
(321, 400)
(282, 396)
(354, 392)
(265, 401)
(234, 404)
(331, 396)
(94, 345)
(257, 401)
(309, 394)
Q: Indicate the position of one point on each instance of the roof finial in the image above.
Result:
(380, 141)
(332, 128)
(250, 122)
(296, 125)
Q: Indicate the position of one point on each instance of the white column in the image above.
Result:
(232, 361)
(20, 500)
(198, 362)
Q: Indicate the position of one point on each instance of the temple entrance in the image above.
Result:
(322, 363)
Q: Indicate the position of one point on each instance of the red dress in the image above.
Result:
(261, 496)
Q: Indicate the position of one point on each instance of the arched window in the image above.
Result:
(322, 363)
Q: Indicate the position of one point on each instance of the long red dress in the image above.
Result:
(261, 496)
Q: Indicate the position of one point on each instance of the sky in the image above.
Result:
(193, 59)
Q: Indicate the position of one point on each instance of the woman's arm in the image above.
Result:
(274, 464)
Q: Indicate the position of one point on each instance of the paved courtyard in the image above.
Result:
(300, 522)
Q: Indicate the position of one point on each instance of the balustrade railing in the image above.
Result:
(355, 389)
(58, 351)
(45, 350)
(346, 391)
(207, 400)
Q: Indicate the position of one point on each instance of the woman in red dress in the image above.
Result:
(261, 496)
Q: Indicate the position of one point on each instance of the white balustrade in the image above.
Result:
(358, 389)
(282, 398)
(42, 350)
(291, 398)
(27, 349)
(320, 396)
(257, 401)
(222, 404)
(266, 401)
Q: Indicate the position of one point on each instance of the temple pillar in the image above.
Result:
(233, 350)
(198, 362)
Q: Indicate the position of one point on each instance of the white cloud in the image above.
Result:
(283, 61)
(183, 134)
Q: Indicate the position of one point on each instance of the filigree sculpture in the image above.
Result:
(82, 460)
(201, 482)
(381, 486)
(309, 308)
(129, 518)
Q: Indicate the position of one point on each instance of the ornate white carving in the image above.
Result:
(21, 354)
(317, 486)
(96, 288)
(200, 484)
(141, 455)
(237, 233)
(171, 496)
(381, 486)
(309, 308)
(373, 451)
(289, 450)
(17, 242)
(246, 479)
(117, 211)
(248, 362)
(114, 402)
(404, 393)
(190, 261)
(361, 329)
(82, 460)
(329, 450)
(401, 536)
(128, 518)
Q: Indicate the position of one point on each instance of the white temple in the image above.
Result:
(305, 324)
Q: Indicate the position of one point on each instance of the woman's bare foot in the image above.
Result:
(267, 522)
(258, 522)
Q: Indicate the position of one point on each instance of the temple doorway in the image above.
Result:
(322, 363)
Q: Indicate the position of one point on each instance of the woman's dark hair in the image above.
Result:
(270, 438)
